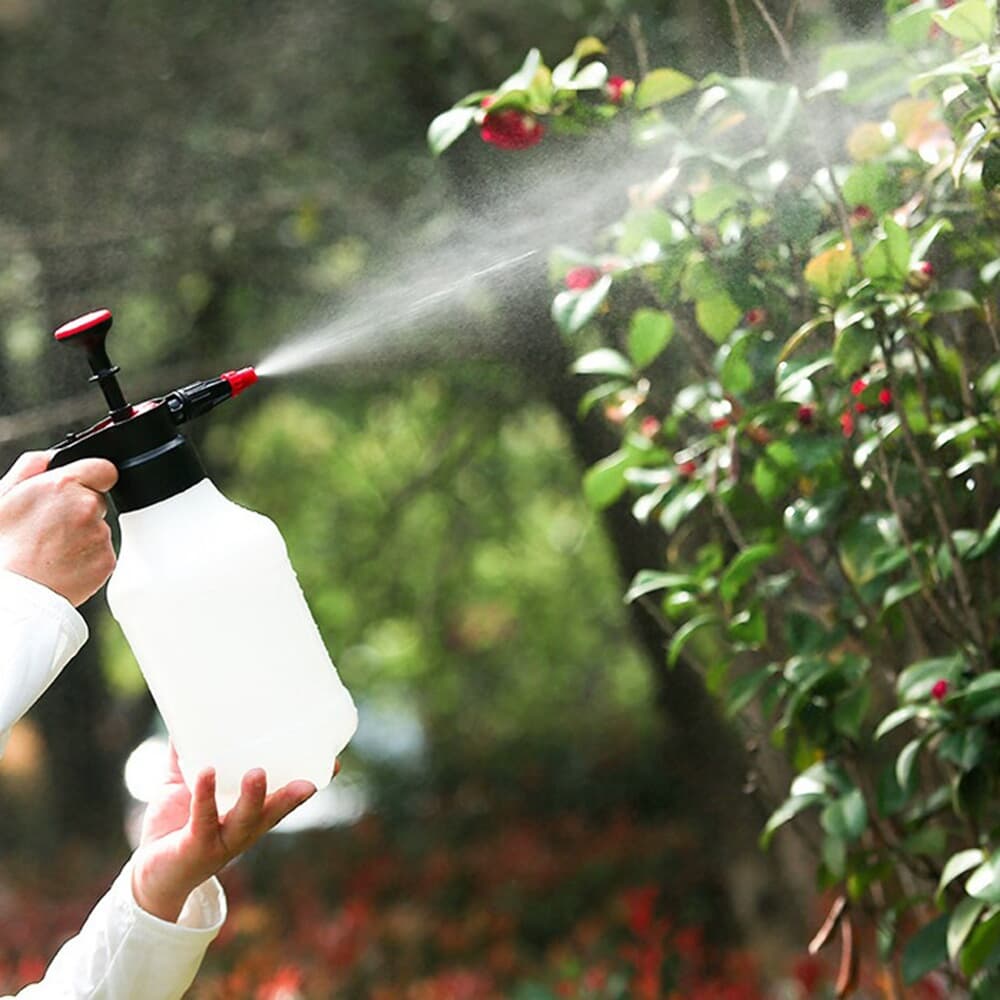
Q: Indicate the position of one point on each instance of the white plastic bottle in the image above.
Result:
(206, 595)
(210, 604)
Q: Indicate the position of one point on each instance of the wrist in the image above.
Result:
(163, 901)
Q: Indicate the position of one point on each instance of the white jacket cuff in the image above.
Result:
(40, 632)
(123, 952)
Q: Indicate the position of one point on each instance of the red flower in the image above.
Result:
(885, 397)
(940, 689)
(639, 904)
(808, 972)
(861, 215)
(806, 414)
(579, 278)
(649, 427)
(755, 317)
(847, 423)
(618, 88)
(510, 128)
(285, 984)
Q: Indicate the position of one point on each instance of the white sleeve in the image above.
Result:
(124, 953)
(40, 632)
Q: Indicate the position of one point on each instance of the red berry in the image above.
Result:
(755, 317)
(806, 414)
(861, 215)
(926, 267)
(618, 88)
(687, 469)
(579, 278)
(510, 128)
(860, 407)
(847, 423)
(649, 427)
(885, 397)
(940, 690)
(858, 387)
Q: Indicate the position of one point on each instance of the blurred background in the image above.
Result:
(534, 806)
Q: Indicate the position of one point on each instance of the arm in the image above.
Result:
(55, 551)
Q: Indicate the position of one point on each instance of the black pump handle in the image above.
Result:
(90, 332)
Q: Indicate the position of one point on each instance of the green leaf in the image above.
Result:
(971, 21)
(744, 689)
(799, 337)
(682, 503)
(647, 581)
(989, 539)
(603, 361)
(853, 348)
(572, 310)
(899, 592)
(916, 681)
(950, 300)
(447, 127)
(906, 764)
(850, 711)
(685, 632)
(748, 628)
(600, 392)
(742, 568)
(650, 331)
(896, 718)
(660, 86)
(958, 864)
(979, 950)
(718, 316)
(788, 810)
(719, 198)
(847, 817)
(963, 918)
(775, 470)
(984, 882)
(831, 271)
(926, 951)
(604, 482)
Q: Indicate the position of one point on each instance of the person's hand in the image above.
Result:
(184, 841)
(52, 527)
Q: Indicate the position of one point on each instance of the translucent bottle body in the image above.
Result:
(210, 604)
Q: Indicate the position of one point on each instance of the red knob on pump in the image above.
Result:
(154, 461)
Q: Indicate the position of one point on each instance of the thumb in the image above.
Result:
(31, 463)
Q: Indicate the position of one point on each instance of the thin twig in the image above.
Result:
(739, 37)
(793, 9)
(786, 52)
(639, 44)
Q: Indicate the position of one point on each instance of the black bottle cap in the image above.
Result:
(154, 460)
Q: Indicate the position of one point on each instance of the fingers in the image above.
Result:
(95, 473)
(204, 814)
(31, 463)
(284, 800)
(243, 821)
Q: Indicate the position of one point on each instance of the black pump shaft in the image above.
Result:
(90, 332)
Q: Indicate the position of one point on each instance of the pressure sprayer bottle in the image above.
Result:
(206, 595)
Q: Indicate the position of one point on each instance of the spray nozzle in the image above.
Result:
(193, 400)
(153, 458)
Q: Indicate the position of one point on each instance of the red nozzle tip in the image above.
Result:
(83, 324)
(240, 380)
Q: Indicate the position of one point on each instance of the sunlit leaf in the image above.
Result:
(660, 86)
